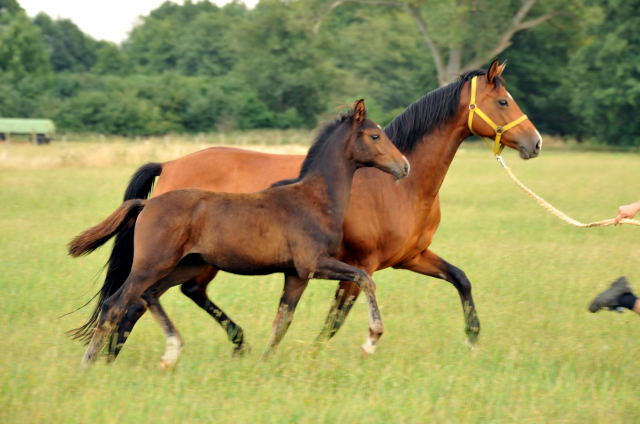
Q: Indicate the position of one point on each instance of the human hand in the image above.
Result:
(627, 211)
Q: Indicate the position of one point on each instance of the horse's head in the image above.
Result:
(370, 146)
(493, 113)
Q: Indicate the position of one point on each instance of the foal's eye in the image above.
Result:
(502, 102)
(375, 136)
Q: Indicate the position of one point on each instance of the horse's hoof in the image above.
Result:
(240, 351)
(472, 344)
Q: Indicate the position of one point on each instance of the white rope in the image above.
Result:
(563, 216)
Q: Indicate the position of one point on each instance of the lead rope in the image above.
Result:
(558, 213)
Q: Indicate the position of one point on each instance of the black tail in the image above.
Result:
(121, 258)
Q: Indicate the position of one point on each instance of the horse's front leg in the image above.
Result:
(196, 290)
(428, 263)
(333, 269)
(293, 289)
(345, 297)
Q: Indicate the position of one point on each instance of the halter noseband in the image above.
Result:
(499, 129)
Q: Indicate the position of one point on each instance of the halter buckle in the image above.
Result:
(499, 130)
(472, 106)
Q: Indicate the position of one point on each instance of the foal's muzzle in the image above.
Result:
(400, 168)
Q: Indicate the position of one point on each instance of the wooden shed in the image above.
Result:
(40, 130)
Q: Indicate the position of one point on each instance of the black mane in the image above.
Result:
(427, 113)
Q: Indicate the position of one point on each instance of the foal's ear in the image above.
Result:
(359, 111)
(495, 70)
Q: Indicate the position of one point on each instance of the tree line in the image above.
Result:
(197, 67)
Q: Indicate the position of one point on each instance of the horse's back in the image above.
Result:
(226, 169)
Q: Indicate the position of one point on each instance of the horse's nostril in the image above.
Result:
(538, 145)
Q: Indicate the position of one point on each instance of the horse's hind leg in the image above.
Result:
(196, 290)
(124, 328)
(345, 297)
(333, 269)
(428, 263)
(293, 289)
(173, 339)
(112, 310)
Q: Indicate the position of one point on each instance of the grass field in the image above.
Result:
(542, 358)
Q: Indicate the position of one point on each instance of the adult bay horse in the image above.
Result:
(294, 228)
(393, 228)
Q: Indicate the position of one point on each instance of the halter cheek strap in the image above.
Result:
(499, 129)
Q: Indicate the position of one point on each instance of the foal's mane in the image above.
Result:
(428, 113)
(322, 139)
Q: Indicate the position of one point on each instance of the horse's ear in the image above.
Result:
(495, 70)
(359, 111)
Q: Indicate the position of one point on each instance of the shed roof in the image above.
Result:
(26, 126)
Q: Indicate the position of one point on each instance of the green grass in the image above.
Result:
(542, 357)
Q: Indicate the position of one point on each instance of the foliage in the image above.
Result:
(606, 78)
(22, 49)
(198, 67)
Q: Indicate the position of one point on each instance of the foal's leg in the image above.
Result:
(428, 263)
(123, 329)
(345, 297)
(293, 289)
(333, 269)
(115, 306)
(196, 290)
(174, 341)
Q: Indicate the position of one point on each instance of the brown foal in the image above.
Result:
(295, 229)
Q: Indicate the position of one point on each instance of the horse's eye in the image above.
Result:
(375, 136)
(502, 102)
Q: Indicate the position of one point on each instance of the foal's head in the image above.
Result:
(370, 146)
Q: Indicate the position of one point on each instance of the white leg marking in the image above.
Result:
(369, 347)
(172, 351)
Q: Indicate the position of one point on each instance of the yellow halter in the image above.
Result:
(499, 129)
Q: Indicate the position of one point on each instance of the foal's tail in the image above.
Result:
(121, 258)
(95, 237)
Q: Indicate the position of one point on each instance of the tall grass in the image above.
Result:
(541, 358)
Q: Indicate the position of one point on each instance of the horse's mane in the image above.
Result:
(406, 130)
(428, 113)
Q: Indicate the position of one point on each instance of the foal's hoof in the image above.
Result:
(167, 364)
(367, 348)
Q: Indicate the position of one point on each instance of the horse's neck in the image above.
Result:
(329, 181)
(432, 156)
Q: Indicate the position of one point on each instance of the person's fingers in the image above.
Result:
(619, 217)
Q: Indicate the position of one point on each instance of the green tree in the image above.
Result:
(284, 65)
(9, 7)
(462, 35)
(70, 49)
(22, 49)
(537, 71)
(378, 57)
(192, 39)
(605, 82)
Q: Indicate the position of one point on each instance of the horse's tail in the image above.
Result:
(142, 181)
